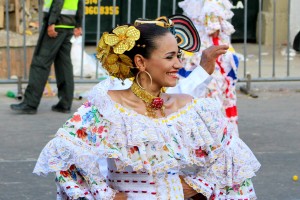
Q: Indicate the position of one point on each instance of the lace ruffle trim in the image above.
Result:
(195, 135)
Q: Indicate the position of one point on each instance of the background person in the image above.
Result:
(211, 19)
(62, 19)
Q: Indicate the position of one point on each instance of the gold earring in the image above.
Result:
(137, 80)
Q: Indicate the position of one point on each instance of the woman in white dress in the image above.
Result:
(156, 145)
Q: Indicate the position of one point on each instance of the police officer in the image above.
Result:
(62, 19)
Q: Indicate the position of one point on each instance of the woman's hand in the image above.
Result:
(121, 196)
(187, 190)
(209, 56)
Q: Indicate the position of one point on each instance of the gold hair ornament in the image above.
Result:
(141, 45)
(111, 48)
(160, 21)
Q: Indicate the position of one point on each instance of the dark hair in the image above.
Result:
(146, 43)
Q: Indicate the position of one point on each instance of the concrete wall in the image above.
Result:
(281, 17)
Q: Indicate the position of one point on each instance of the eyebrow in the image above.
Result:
(171, 52)
(168, 53)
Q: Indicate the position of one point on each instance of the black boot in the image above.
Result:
(23, 108)
(59, 108)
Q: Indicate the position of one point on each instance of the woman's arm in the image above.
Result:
(199, 78)
(188, 191)
(73, 155)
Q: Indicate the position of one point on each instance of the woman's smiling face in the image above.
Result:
(163, 64)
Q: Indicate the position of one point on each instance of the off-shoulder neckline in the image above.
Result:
(173, 115)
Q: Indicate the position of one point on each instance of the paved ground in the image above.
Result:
(269, 124)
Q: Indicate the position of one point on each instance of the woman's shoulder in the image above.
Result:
(115, 94)
(122, 97)
(180, 100)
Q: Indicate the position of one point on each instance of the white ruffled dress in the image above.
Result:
(106, 148)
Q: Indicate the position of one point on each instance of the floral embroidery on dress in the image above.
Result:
(196, 135)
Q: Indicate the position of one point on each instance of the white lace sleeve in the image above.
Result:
(73, 155)
(233, 167)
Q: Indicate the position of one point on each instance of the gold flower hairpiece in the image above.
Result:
(111, 48)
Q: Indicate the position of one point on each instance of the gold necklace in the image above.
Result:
(152, 102)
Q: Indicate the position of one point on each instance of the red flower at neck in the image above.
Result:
(157, 103)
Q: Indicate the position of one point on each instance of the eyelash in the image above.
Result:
(179, 56)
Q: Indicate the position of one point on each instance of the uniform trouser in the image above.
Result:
(48, 51)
